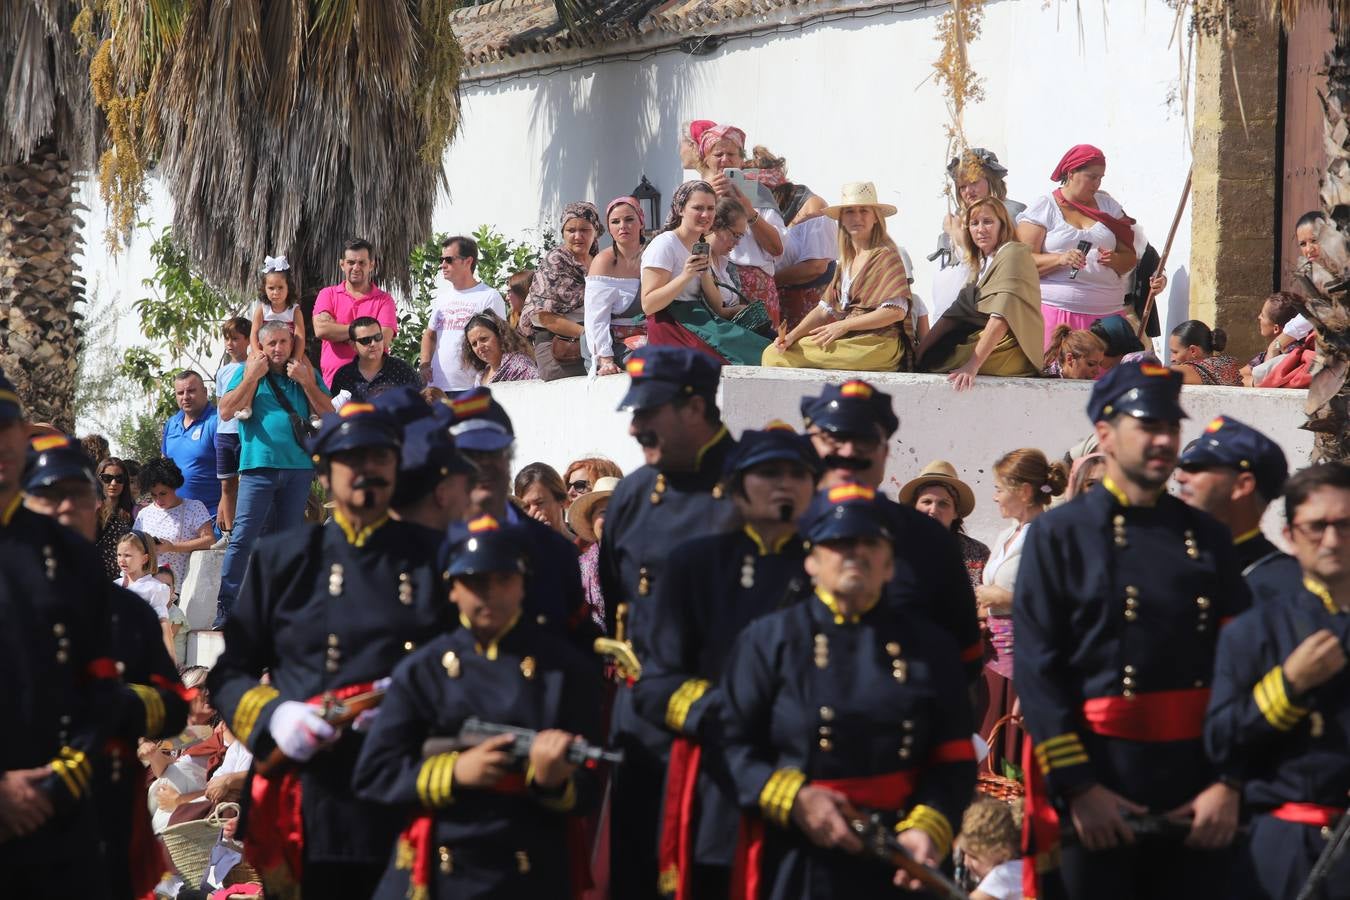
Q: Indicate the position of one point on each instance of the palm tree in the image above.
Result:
(279, 126)
(45, 143)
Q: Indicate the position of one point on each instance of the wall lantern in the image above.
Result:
(650, 198)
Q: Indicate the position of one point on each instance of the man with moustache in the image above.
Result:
(327, 611)
(1232, 472)
(59, 482)
(676, 496)
(1120, 598)
(851, 425)
(554, 597)
(714, 587)
(275, 472)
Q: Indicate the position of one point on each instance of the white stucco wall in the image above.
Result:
(563, 420)
(845, 100)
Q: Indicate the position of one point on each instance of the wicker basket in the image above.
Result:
(189, 843)
(989, 782)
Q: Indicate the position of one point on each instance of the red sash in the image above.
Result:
(677, 819)
(1153, 716)
(1040, 824)
(889, 791)
(145, 853)
(274, 840)
(1313, 814)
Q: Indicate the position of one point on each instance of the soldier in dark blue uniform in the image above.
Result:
(60, 482)
(840, 705)
(675, 497)
(486, 827)
(1232, 472)
(553, 594)
(434, 478)
(1281, 703)
(1120, 598)
(55, 623)
(851, 425)
(713, 587)
(327, 611)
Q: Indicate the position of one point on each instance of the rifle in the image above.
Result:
(336, 713)
(880, 841)
(1336, 847)
(1143, 826)
(475, 731)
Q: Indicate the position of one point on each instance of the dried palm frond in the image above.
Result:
(285, 125)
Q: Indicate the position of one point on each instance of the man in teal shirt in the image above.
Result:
(274, 470)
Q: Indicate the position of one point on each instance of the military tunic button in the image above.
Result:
(1199, 683)
(408, 646)
(451, 663)
(1131, 591)
(522, 862)
(120, 666)
(826, 731)
(65, 720)
(904, 753)
(541, 620)
(1131, 615)
(334, 653)
(893, 648)
(1127, 693)
(62, 656)
(332, 640)
(1128, 681)
(1129, 670)
(405, 589)
(330, 666)
(907, 740)
(826, 744)
(826, 714)
(908, 725)
(58, 629)
(527, 667)
(1202, 602)
(447, 860)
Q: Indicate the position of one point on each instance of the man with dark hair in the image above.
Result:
(1281, 704)
(1232, 472)
(338, 305)
(457, 301)
(374, 370)
(189, 439)
(675, 497)
(434, 478)
(1121, 595)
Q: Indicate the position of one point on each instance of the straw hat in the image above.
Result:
(579, 513)
(939, 471)
(860, 193)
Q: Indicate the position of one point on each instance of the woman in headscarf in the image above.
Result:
(975, 174)
(807, 265)
(614, 324)
(695, 299)
(723, 147)
(555, 308)
(994, 327)
(866, 321)
(1079, 287)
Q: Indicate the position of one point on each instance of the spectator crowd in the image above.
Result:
(778, 636)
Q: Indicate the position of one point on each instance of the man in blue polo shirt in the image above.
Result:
(190, 440)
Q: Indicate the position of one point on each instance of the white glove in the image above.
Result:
(365, 720)
(299, 730)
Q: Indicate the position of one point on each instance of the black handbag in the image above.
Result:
(302, 429)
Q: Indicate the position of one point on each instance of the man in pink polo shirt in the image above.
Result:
(355, 296)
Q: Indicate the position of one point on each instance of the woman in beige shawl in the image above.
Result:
(995, 325)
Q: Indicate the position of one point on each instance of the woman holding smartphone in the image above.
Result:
(722, 147)
(689, 291)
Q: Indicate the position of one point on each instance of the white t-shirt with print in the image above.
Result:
(451, 309)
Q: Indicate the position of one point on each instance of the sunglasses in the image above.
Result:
(112, 479)
(579, 486)
(369, 339)
(447, 260)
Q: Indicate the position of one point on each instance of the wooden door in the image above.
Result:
(1304, 157)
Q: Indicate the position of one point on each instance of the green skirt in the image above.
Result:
(738, 346)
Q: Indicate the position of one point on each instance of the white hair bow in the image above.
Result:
(275, 264)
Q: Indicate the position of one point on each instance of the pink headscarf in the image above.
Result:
(715, 133)
(697, 127)
(1079, 155)
(630, 201)
(772, 178)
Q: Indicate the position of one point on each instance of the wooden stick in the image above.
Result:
(1167, 250)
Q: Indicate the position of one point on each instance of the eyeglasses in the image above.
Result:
(370, 339)
(112, 479)
(580, 486)
(1315, 531)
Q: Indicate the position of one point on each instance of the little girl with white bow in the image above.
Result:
(278, 299)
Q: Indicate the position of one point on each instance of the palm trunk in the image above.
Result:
(39, 237)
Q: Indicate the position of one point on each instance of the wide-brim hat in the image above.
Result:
(860, 193)
(939, 471)
(579, 513)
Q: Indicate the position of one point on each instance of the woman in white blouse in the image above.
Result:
(1024, 484)
(612, 289)
(1078, 287)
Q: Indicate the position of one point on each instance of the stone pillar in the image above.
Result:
(1235, 220)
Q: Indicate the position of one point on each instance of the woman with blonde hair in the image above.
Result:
(1074, 354)
(865, 321)
(995, 325)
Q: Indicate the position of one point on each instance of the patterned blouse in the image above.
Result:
(108, 536)
(514, 367)
(1220, 370)
(975, 555)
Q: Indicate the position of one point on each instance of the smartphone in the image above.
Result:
(701, 248)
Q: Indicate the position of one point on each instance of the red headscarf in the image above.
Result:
(1079, 155)
(627, 201)
(697, 127)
